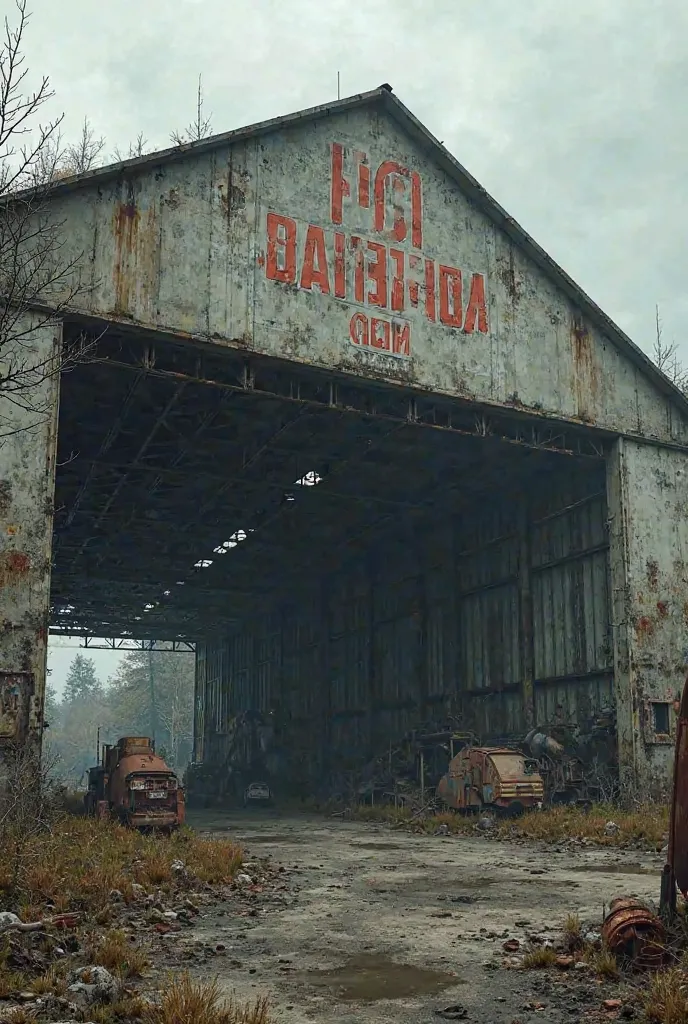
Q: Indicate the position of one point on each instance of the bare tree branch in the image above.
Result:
(37, 279)
(83, 155)
(201, 128)
(135, 149)
(666, 357)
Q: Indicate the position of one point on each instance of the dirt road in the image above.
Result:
(382, 926)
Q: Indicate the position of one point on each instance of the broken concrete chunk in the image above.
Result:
(93, 985)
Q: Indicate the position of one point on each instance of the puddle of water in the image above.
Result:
(615, 869)
(377, 846)
(367, 979)
(265, 838)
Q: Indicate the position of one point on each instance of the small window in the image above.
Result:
(660, 717)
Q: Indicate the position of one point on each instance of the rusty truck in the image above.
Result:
(134, 785)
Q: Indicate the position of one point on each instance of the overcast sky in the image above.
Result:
(571, 115)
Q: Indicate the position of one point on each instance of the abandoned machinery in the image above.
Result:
(133, 785)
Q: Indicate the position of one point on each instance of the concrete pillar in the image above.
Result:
(647, 494)
(28, 446)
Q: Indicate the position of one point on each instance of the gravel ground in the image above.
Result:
(372, 924)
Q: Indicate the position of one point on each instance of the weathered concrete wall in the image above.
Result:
(28, 434)
(339, 243)
(648, 508)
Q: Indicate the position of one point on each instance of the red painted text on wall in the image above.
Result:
(383, 273)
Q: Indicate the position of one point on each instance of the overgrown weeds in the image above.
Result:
(604, 964)
(198, 1002)
(539, 957)
(78, 862)
(644, 826)
(573, 934)
(666, 997)
(119, 955)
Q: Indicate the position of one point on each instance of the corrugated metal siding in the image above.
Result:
(571, 626)
(436, 627)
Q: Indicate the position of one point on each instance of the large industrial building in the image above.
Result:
(335, 419)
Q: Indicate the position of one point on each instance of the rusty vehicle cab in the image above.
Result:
(492, 777)
(135, 786)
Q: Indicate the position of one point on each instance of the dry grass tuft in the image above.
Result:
(197, 1002)
(117, 953)
(49, 983)
(666, 999)
(77, 864)
(10, 981)
(19, 1015)
(129, 1007)
(604, 964)
(538, 957)
(573, 933)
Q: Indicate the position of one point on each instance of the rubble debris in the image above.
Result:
(10, 922)
(93, 984)
(633, 931)
(454, 1012)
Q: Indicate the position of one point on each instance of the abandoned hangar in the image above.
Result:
(341, 424)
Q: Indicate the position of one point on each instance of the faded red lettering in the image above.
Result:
(384, 171)
(358, 329)
(315, 261)
(451, 305)
(430, 290)
(477, 309)
(340, 186)
(339, 265)
(363, 180)
(281, 256)
(401, 339)
(359, 268)
(399, 230)
(397, 280)
(377, 340)
(416, 211)
(377, 273)
(415, 263)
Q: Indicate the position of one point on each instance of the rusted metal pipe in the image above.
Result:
(633, 931)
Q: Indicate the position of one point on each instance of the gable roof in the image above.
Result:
(384, 97)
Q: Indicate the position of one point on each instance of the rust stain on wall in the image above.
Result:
(644, 627)
(507, 275)
(13, 566)
(585, 369)
(136, 257)
(125, 227)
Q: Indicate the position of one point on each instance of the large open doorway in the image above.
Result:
(351, 558)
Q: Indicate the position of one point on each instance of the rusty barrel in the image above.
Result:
(633, 931)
